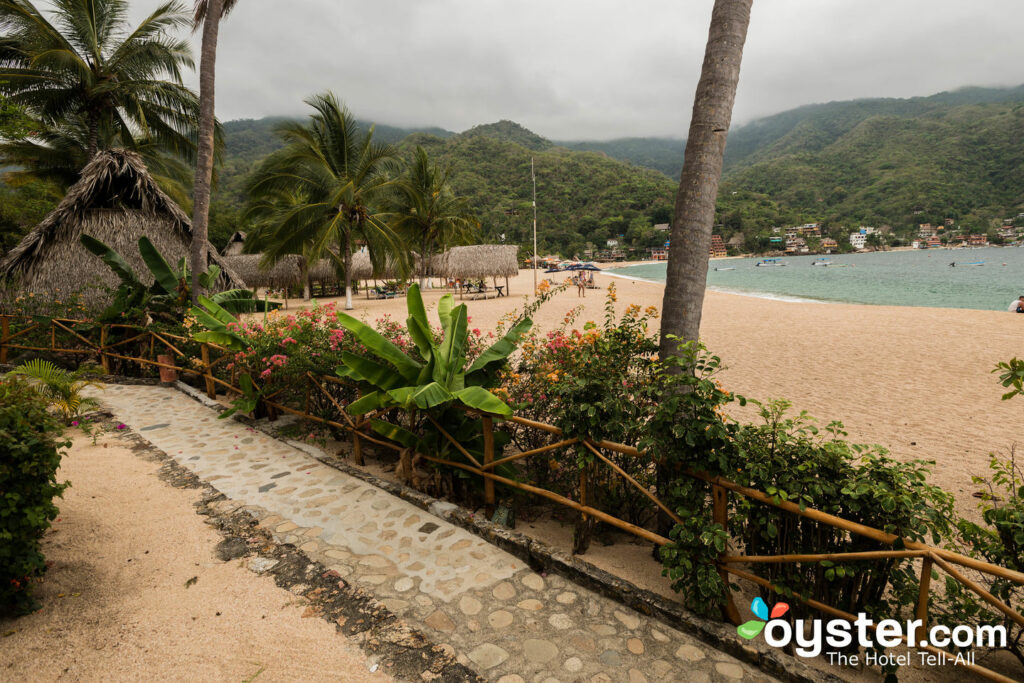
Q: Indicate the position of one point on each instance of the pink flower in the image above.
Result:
(122, 426)
(265, 373)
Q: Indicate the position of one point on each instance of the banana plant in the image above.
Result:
(169, 293)
(435, 383)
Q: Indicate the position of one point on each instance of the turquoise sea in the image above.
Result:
(894, 278)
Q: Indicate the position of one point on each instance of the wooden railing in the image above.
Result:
(60, 332)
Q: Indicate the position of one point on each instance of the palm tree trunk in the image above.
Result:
(694, 215)
(348, 272)
(423, 263)
(306, 288)
(204, 151)
(94, 135)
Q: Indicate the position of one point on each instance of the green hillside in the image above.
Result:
(894, 162)
(582, 196)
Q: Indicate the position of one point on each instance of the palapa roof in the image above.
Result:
(287, 272)
(235, 244)
(478, 261)
(116, 201)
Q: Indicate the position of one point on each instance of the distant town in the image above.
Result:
(812, 238)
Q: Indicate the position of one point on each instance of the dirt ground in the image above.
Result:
(136, 593)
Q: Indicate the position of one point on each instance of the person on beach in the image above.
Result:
(581, 286)
(1017, 305)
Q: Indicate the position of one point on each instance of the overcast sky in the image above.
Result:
(596, 69)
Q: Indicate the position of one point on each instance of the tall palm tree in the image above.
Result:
(426, 211)
(208, 14)
(321, 191)
(83, 62)
(694, 215)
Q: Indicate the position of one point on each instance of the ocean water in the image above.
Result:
(894, 278)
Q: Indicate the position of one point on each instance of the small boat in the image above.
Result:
(769, 263)
(727, 268)
(823, 262)
(954, 264)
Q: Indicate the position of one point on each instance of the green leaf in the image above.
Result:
(365, 370)
(499, 351)
(481, 399)
(380, 346)
(369, 403)
(423, 397)
(163, 274)
(395, 433)
(113, 260)
(444, 310)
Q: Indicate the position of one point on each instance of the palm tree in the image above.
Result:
(694, 215)
(208, 14)
(319, 193)
(56, 154)
(426, 211)
(85, 64)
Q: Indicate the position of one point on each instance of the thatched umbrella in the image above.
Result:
(234, 245)
(287, 272)
(479, 261)
(117, 202)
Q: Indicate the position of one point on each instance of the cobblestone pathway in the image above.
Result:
(501, 619)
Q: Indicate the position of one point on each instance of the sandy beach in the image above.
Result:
(915, 380)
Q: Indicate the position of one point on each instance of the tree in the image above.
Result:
(321, 192)
(427, 213)
(84, 65)
(694, 215)
(208, 14)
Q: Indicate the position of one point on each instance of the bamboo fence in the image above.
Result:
(93, 339)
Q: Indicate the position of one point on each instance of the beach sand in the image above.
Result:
(917, 381)
(117, 604)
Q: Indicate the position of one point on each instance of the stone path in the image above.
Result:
(500, 618)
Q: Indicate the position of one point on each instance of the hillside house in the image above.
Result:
(717, 247)
(858, 240)
(829, 245)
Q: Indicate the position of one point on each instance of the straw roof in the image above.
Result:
(235, 244)
(117, 202)
(478, 261)
(285, 273)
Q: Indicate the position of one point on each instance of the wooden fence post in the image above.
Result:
(720, 499)
(488, 426)
(211, 386)
(104, 361)
(5, 326)
(922, 597)
(357, 445)
(584, 528)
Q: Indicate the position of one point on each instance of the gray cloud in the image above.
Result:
(574, 69)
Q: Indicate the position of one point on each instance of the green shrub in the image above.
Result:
(30, 452)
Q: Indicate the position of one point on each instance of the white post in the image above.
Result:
(533, 175)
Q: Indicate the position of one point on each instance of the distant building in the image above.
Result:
(796, 245)
(659, 253)
(934, 241)
(736, 241)
(977, 240)
(718, 247)
(950, 222)
(662, 227)
(810, 230)
(926, 230)
(829, 245)
(612, 243)
(867, 230)
(858, 240)
(792, 232)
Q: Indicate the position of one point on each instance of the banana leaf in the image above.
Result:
(163, 275)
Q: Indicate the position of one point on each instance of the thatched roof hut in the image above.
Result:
(235, 244)
(117, 202)
(478, 261)
(287, 272)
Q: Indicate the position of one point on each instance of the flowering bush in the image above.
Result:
(589, 384)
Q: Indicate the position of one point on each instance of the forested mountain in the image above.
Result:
(882, 161)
